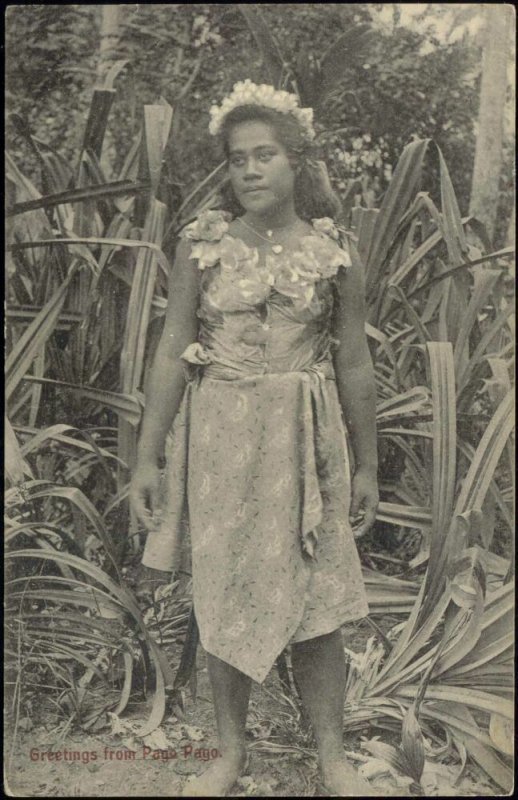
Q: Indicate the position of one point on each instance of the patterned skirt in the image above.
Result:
(258, 467)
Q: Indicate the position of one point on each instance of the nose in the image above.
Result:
(251, 170)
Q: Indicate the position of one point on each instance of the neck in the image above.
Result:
(276, 218)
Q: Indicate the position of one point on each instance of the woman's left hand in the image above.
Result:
(364, 502)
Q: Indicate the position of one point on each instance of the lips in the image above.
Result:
(254, 189)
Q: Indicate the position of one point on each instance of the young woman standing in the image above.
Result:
(262, 352)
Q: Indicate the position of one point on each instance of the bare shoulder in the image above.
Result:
(184, 278)
(183, 251)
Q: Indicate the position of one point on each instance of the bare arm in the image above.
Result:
(166, 381)
(357, 389)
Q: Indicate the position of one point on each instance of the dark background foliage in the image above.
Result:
(191, 54)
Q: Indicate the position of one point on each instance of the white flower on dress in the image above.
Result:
(233, 252)
(277, 596)
(207, 254)
(234, 631)
(209, 226)
(242, 408)
(293, 274)
(205, 487)
(236, 520)
(283, 485)
(273, 549)
(205, 434)
(281, 439)
(244, 456)
(326, 226)
(204, 539)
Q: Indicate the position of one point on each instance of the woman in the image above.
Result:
(266, 317)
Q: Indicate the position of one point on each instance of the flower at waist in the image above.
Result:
(195, 354)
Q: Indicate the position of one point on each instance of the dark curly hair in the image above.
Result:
(314, 196)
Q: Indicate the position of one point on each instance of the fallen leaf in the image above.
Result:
(502, 733)
(116, 725)
(374, 767)
(157, 740)
(193, 733)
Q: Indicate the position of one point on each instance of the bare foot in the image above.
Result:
(219, 778)
(339, 778)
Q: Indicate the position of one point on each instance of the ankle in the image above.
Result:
(330, 758)
(233, 751)
(333, 764)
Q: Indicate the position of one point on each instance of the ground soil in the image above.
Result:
(282, 758)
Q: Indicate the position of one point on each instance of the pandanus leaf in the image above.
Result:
(404, 516)
(416, 399)
(501, 731)
(402, 188)
(33, 340)
(42, 489)
(506, 252)
(127, 603)
(463, 727)
(455, 236)
(127, 406)
(101, 240)
(98, 192)
(16, 467)
(412, 744)
(444, 467)
(485, 280)
(392, 755)
(486, 457)
(483, 701)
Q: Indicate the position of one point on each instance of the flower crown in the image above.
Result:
(247, 93)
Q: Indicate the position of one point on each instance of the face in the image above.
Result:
(259, 168)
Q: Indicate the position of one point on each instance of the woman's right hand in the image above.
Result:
(145, 494)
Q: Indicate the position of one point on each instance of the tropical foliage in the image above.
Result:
(87, 260)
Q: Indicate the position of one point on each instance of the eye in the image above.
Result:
(266, 156)
(237, 161)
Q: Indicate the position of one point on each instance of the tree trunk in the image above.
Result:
(108, 39)
(488, 152)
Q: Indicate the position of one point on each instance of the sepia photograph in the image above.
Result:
(259, 388)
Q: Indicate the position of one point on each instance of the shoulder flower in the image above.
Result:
(207, 254)
(326, 226)
(325, 254)
(210, 226)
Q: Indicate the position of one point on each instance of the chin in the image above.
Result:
(260, 205)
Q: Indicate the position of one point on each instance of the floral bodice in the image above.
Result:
(270, 316)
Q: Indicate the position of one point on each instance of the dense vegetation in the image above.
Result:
(98, 181)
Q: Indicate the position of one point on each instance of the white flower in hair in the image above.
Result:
(248, 93)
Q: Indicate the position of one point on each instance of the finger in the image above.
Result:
(367, 523)
(154, 498)
(356, 501)
(360, 532)
(141, 511)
